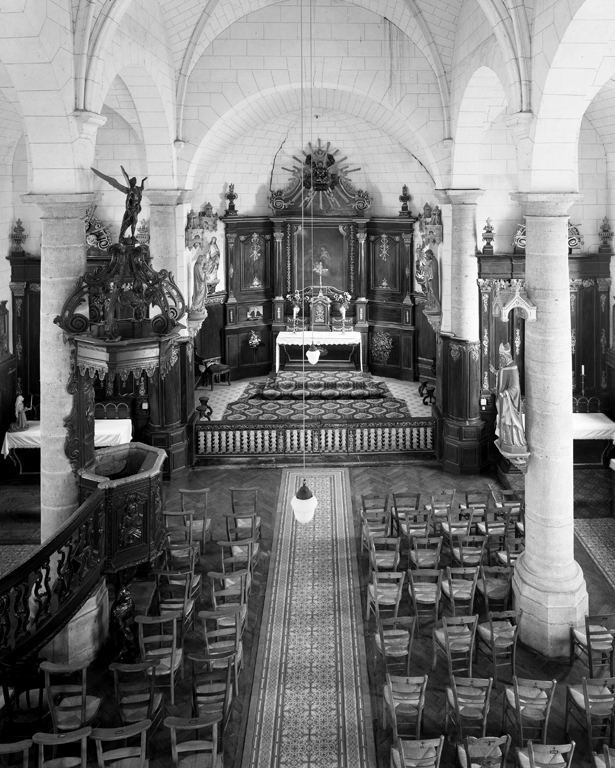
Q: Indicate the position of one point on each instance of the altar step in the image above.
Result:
(214, 440)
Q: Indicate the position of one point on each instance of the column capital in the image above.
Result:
(63, 205)
(170, 197)
(459, 196)
(520, 124)
(546, 204)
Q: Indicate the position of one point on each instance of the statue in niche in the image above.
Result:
(431, 279)
(199, 292)
(509, 426)
(133, 193)
(21, 420)
(212, 262)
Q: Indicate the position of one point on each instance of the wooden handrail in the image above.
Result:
(42, 594)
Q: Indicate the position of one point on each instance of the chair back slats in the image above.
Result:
(422, 753)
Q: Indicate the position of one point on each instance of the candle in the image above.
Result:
(582, 370)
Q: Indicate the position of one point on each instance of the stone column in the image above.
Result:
(549, 587)
(166, 234)
(63, 261)
(464, 270)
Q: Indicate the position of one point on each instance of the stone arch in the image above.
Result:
(154, 125)
(580, 67)
(275, 102)
(483, 99)
(36, 61)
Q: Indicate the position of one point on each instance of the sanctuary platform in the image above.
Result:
(346, 413)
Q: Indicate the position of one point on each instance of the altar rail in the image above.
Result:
(233, 439)
(41, 595)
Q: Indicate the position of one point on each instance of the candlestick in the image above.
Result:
(582, 370)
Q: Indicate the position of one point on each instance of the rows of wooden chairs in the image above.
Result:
(461, 552)
(60, 691)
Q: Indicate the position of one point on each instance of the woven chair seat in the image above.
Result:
(602, 709)
(468, 711)
(457, 641)
(524, 761)
(495, 753)
(403, 707)
(385, 595)
(503, 632)
(424, 558)
(395, 641)
(71, 720)
(462, 590)
(529, 711)
(426, 593)
(599, 642)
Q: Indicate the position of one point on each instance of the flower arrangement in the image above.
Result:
(342, 298)
(296, 298)
(382, 345)
(254, 340)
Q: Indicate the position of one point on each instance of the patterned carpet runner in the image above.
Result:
(310, 703)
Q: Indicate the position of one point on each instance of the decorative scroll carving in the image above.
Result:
(97, 235)
(321, 183)
(169, 355)
(131, 520)
(4, 330)
(474, 352)
(573, 341)
(510, 295)
(519, 240)
(455, 351)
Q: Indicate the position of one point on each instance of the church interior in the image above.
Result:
(307, 383)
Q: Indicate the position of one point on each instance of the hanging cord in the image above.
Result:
(302, 241)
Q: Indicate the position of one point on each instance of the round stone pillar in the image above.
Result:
(63, 261)
(549, 588)
(166, 234)
(464, 267)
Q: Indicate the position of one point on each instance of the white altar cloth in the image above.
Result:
(592, 426)
(106, 432)
(326, 338)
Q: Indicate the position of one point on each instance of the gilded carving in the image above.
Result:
(485, 380)
(603, 341)
(603, 383)
(573, 340)
(384, 247)
(475, 352)
(517, 341)
(485, 342)
(455, 351)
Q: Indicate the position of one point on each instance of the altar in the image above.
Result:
(324, 338)
(106, 433)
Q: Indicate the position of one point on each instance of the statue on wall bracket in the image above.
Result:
(321, 184)
(427, 272)
(510, 426)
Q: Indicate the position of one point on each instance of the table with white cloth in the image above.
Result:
(325, 338)
(106, 433)
(592, 426)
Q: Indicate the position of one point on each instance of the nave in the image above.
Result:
(424, 478)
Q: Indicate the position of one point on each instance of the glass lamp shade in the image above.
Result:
(313, 355)
(304, 504)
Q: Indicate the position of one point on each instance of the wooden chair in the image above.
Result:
(183, 558)
(439, 504)
(487, 751)
(404, 505)
(227, 593)
(592, 706)
(55, 740)
(415, 525)
(159, 641)
(494, 585)
(545, 755)
(70, 705)
(455, 525)
(375, 518)
(222, 640)
(606, 759)
(194, 501)
(596, 644)
(239, 556)
(202, 749)
(493, 527)
(498, 639)
(455, 639)
(212, 686)
(459, 588)
(469, 551)
(394, 638)
(135, 693)
(124, 756)
(477, 500)
(467, 704)
(17, 748)
(244, 502)
(384, 553)
(423, 753)
(514, 546)
(527, 706)
(403, 703)
(245, 526)
(425, 552)
(384, 592)
(25, 702)
(173, 590)
(425, 587)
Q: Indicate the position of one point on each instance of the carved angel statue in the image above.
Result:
(133, 193)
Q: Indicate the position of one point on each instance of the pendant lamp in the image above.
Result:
(304, 502)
